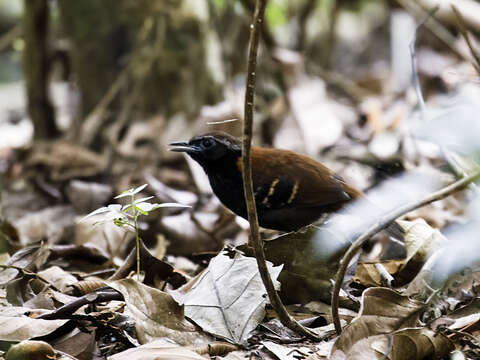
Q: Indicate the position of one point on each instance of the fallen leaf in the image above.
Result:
(158, 350)
(18, 328)
(387, 324)
(156, 314)
(228, 298)
(421, 241)
(30, 350)
(310, 259)
(58, 277)
(283, 352)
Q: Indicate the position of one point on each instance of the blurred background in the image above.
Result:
(91, 93)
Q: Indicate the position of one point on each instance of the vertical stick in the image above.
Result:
(36, 65)
(255, 240)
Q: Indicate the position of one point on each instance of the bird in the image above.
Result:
(291, 190)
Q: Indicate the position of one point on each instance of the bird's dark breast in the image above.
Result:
(229, 191)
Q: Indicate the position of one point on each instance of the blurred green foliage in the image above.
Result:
(276, 12)
(219, 4)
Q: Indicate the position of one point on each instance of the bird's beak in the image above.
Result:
(182, 146)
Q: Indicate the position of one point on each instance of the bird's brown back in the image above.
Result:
(319, 185)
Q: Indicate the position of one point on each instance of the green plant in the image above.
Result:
(126, 216)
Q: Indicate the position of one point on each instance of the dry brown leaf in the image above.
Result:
(310, 260)
(382, 312)
(421, 241)
(156, 314)
(228, 298)
(66, 160)
(18, 328)
(30, 350)
(367, 275)
(158, 350)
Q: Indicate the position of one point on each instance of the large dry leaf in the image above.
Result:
(386, 326)
(58, 277)
(283, 352)
(406, 344)
(228, 299)
(156, 314)
(382, 312)
(65, 161)
(421, 241)
(309, 258)
(18, 328)
(78, 343)
(157, 350)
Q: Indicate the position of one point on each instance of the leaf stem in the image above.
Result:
(137, 238)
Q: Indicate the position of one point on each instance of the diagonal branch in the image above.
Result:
(381, 224)
(255, 240)
(463, 31)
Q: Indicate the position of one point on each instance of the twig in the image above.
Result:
(415, 79)
(100, 295)
(446, 153)
(472, 338)
(381, 224)
(303, 17)
(331, 34)
(385, 278)
(32, 274)
(255, 240)
(95, 119)
(463, 31)
(7, 38)
(436, 28)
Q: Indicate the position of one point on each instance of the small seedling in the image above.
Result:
(126, 216)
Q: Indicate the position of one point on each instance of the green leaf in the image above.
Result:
(112, 208)
(95, 212)
(131, 192)
(140, 210)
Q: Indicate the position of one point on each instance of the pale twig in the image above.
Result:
(463, 31)
(446, 153)
(435, 27)
(381, 224)
(255, 240)
(7, 39)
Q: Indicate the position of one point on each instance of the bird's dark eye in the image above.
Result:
(208, 143)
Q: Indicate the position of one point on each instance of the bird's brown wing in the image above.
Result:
(299, 181)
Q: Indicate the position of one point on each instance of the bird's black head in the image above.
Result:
(210, 149)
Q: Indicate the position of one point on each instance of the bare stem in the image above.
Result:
(381, 224)
(463, 30)
(255, 240)
(137, 238)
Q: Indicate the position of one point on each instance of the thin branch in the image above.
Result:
(381, 224)
(415, 79)
(303, 16)
(463, 31)
(435, 27)
(7, 38)
(446, 153)
(255, 240)
(100, 295)
(30, 273)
